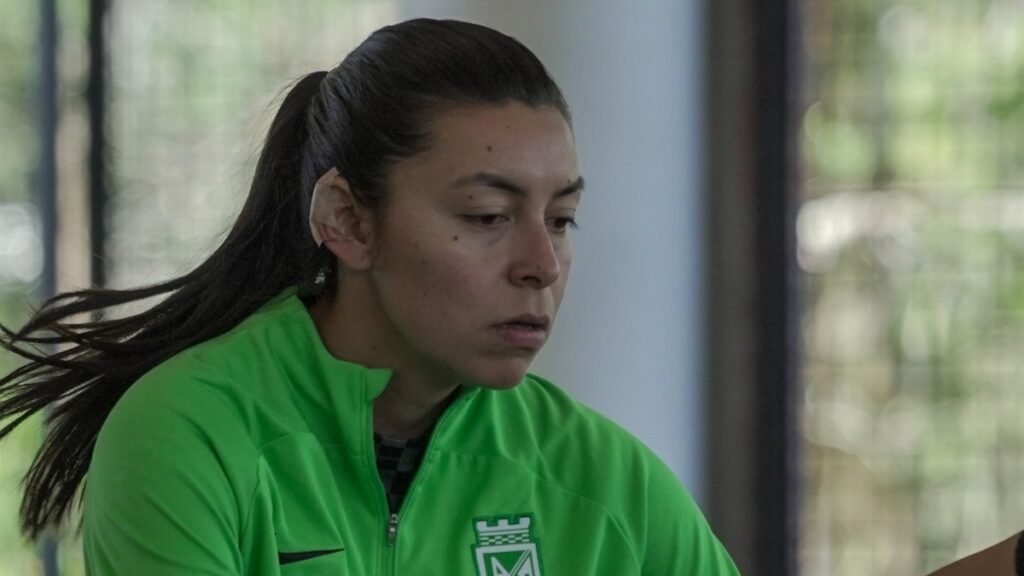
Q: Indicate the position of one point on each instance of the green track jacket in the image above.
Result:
(252, 453)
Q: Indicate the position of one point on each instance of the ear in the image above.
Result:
(339, 222)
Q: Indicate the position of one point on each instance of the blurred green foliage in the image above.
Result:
(912, 241)
(16, 555)
(19, 149)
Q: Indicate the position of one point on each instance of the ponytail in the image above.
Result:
(268, 249)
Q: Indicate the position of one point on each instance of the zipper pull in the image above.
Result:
(392, 528)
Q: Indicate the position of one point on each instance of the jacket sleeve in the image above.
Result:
(679, 540)
(157, 498)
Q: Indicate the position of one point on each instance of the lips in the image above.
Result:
(528, 321)
(525, 331)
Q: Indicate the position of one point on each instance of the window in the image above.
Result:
(911, 248)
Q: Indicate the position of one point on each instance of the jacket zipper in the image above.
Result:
(389, 559)
(392, 528)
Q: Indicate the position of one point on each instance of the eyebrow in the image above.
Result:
(492, 180)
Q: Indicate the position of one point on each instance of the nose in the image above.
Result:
(536, 263)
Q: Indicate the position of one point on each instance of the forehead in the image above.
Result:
(533, 145)
(496, 121)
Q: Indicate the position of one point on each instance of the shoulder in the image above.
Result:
(177, 415)
(584, 455)
(543, 410)
(544, 428)
(587, 454)
(219, 387)
(195, 389)
(180, 393)
(172, 453)
(184, 433)
(202, 402)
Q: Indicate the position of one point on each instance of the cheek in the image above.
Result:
(565, 263)
(437, 281)
(565, 259)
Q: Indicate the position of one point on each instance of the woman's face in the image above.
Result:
(473, 249)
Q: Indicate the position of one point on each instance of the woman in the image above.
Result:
(341, 388)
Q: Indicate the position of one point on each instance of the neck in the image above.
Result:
(403, 416)
(353, 328)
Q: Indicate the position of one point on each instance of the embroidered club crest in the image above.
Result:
(506, 547)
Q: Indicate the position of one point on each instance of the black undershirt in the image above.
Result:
(397, 462)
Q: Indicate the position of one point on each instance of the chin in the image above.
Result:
(499, 384)
(500, 378)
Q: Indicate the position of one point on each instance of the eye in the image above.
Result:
(563, 224)
(485, 219)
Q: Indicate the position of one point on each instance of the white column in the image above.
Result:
(629, 340)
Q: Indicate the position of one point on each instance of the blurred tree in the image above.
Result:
(911, 241)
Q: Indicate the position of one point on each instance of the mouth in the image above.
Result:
(525, 331)
(527, 322)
